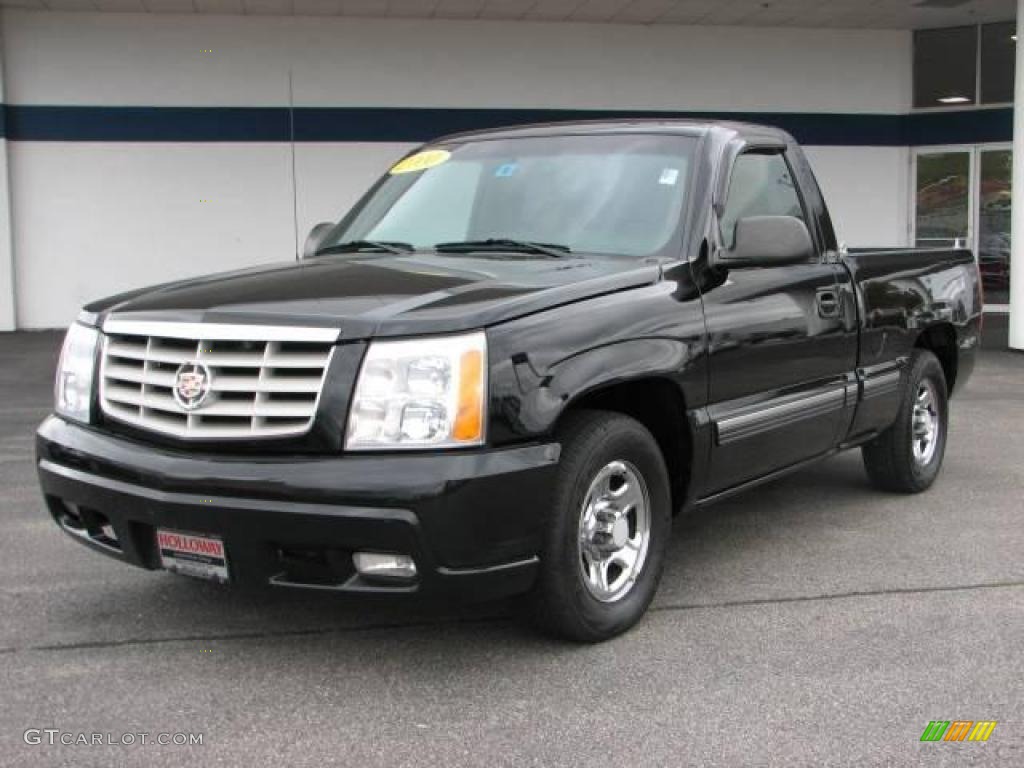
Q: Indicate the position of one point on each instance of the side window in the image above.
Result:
(761, 185)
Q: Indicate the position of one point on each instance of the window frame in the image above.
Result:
(975, 86)
(973, 186)
(977, 104)
(980, 102)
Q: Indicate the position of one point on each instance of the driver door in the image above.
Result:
(778, 352)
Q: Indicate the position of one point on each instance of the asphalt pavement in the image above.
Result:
(812, 622)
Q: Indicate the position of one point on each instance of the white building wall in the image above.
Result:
(7, 313)
(97, 218)
(7, 294)
(868, 192)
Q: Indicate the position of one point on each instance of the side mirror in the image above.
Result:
(765, 241)
(315, 239)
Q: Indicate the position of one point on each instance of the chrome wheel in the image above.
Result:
(614, 531)
(925, 423)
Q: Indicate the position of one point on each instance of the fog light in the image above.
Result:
(381, 565)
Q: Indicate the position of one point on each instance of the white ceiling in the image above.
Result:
(874, 14)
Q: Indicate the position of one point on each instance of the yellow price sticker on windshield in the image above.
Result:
(421, 161)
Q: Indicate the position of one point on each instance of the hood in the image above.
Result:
(382, 295)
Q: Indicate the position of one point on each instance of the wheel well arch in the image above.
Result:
(659, 405)
(940, 340)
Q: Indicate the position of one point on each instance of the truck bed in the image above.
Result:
(902, 290)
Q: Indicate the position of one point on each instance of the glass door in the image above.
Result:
(994, 197)
(942, 197)
(963, 195)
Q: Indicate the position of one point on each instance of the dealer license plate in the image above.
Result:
(192, 555)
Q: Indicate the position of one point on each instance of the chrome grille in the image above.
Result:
(263, 381)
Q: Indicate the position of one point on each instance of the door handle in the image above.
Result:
(828, 303)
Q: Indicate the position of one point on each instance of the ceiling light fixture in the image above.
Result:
(954, 100)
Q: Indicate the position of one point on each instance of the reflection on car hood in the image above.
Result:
(372, 294)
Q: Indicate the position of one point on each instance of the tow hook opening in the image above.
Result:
(88, 523)
(314, 566)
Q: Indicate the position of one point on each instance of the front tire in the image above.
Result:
(906, 458)
(610, 519)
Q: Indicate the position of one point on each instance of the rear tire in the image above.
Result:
(610, 522)
(906, 458)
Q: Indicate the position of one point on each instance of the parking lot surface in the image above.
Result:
(812, 622)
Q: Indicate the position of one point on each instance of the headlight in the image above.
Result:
(420, 393)
(73, 389)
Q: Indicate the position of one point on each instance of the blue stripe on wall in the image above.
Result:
(373, 124)
(383, 124)
(46, 123)
(975, 126)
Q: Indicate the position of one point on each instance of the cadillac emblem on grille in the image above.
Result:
(191, 385)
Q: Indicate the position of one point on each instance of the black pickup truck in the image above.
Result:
(505, 371)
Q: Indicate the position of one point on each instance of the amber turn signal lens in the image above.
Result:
(469, 421)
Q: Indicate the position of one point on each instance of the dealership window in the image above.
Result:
(945, 66)
(964, 66)
(998, 44)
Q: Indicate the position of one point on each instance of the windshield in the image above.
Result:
(613, 194)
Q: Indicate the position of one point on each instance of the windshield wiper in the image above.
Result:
(354, 246)
(554, 250)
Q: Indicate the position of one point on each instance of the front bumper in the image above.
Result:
(471, 520)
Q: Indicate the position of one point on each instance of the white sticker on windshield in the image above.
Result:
(669, 177)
